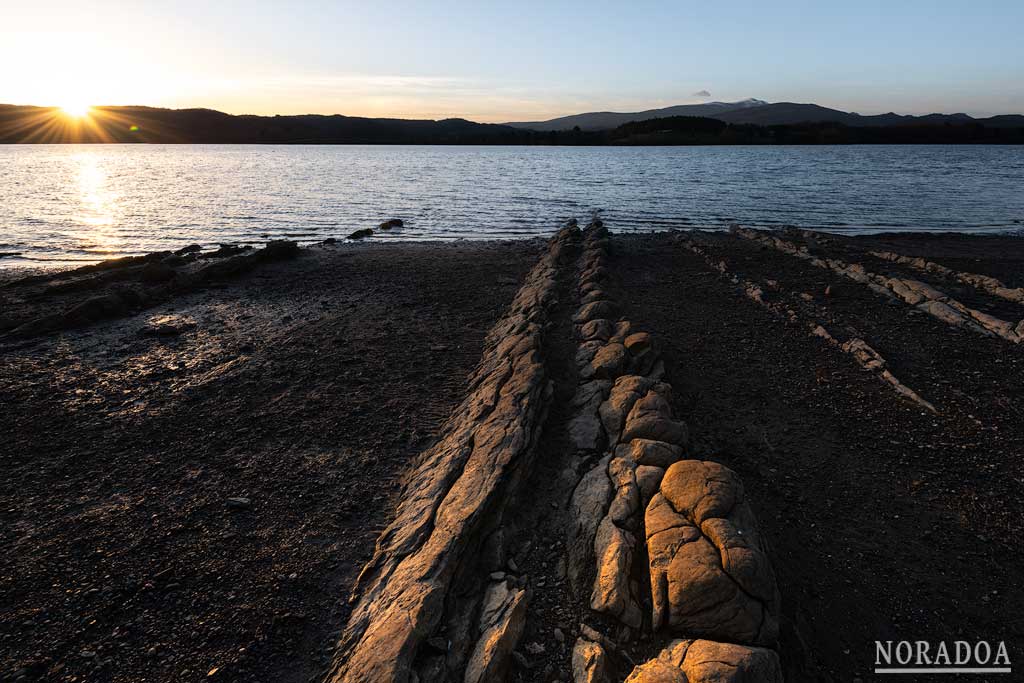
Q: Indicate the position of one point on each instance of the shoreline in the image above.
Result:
(13, 263)
(195, 484)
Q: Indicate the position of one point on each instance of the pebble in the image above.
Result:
(239, 503)
(559, 636)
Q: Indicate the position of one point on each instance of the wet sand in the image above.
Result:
(195, 485)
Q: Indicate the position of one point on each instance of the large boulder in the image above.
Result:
(706, 661)
(710, 572)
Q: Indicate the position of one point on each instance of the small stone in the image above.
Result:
(559, 636)
(513, 567)
(535, 648)
(497, 576)
(238, 503)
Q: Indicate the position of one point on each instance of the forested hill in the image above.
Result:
(22, 124)
(147, 124)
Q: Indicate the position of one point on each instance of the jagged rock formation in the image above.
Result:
(985, 283)
(440, 601)
(707, 572)
(705, 661)
(158, 276)
(865, 356)
(589, 662)
(913, 292)
(452, 505)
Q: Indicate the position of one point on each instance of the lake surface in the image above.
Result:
(91, 202)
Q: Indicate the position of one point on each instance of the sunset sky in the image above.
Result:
(492, 61)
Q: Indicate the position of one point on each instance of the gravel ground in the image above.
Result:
(195, 505)
(190, 490)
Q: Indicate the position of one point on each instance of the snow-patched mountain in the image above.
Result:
(761, 113)
(605, 120)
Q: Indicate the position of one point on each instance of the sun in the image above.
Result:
(75, 109)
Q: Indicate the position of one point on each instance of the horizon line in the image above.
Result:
(508, 121)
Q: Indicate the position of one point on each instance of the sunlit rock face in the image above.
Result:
(710, 573)
(705, 661)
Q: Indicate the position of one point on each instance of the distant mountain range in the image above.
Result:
(746, 122)
(606, 120)
(761, 113)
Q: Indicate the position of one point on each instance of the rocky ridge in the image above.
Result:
(856, 347)
(420, 615)
(918, 294)
(670, 542)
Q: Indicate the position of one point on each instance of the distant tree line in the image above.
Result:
(692, 130)
(145, 124)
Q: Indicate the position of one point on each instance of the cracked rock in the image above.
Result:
(626, 391)
(710, 573)
(613, 590)
(706, 661)
(589, 662)
(600, 329)
(594, 311)
(608, 363)
(501, 625)
(653, 453)
(648, 479)
(650, 418)
(588, 505)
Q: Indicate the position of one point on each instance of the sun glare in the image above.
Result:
(75, 110)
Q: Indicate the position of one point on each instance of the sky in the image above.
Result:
(502, 61)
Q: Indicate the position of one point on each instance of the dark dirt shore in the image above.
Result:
(305, 388)
(887, 522)
(199, 497)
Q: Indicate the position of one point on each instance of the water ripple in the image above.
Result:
(72, 202)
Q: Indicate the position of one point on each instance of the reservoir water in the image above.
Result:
(91, 202)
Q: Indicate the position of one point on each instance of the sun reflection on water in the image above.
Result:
(97, 205)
